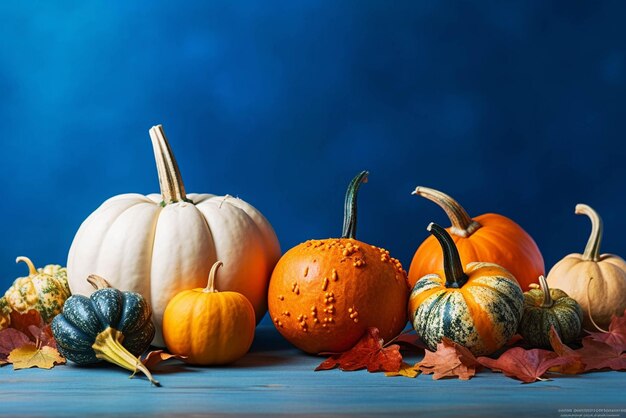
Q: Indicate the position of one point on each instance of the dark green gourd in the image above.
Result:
(545, 307)
(110, 325)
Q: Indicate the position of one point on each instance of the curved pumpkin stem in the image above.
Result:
(589, 313)
(462, 224)
(32, 270)
(452, 267)
(210, 288)
(108, 346)
(592, 250)
(349, 207)
(170, 180)
(98, 282)
(547, 298)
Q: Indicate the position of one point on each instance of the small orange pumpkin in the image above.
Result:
(489, 238)
(324, 294)
(207, 326)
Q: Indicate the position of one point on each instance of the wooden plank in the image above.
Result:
(277, 379)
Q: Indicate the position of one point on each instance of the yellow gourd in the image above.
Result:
(44, 290)
(207, 326)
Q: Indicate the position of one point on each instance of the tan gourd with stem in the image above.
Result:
(596, 281)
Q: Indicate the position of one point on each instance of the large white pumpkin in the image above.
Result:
(159, 245)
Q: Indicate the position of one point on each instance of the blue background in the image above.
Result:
(511, 107)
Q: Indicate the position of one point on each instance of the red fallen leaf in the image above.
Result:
(43, 335)
(21, 321)
(409, 341)
(525, 365)
(514, 340)
(368, 353)
(575, 365)
(615, 336)
(450, 359)
(10, 339)
(153, 358)
(598, 355)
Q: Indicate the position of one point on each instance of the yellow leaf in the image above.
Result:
(406, 370)
(28, 356)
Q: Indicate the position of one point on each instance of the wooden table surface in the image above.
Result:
(276, 379)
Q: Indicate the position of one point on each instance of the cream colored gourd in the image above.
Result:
(597, 282)
(160, 245)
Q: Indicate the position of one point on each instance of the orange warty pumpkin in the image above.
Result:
(324, 294)
(488, 238)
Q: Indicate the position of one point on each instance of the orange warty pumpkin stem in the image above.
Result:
(98, 282)
(210, 288)
(547, 298)
(592, 250)
(452, 267)
(31, 267)
(462, 224)
(349, 207)
(170, 180)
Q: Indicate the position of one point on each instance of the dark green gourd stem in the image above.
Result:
(452, 267)
(547, 298)
(349, 207)
(592, 250)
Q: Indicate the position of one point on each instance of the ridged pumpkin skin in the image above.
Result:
(592, 278)
(542, 311)
(44, 290)
(482, 314)
(84, 318)
(324, 294)
(209, 327)
(489, 238)
(5, 314)
(161, 244)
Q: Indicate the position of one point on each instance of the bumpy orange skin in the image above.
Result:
(324, 294)
(499, 240)
(210, 328)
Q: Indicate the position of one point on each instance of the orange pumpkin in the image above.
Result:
(324, 294)
(488, 238)
(207, 326)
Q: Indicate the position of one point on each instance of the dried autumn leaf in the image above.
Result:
(450, 359)
(525, 365)
(409, 342)
(22, 321)
(10, 339)
(368, 353)
(615, 336)
(575, 364)
(514, 340)
(406, 370)
(30, 355)
(598, 355)
(43, 336)
(153, 358)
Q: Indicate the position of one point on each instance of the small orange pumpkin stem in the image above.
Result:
(592, 250)
(210, 288)
(547, 298)
(98, 282)
(462, 224)
(452, 267)
(31, 267)
(170, 180)
(349, 207)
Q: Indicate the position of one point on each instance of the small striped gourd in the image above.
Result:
(544, 308)
(479, 308)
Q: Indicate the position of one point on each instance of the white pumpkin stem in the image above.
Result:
(547, 298)
(462, 224)
(98, 282)
(589, 309)
(170, 180)
(210, 288)
(592, 250)
(32, 270)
